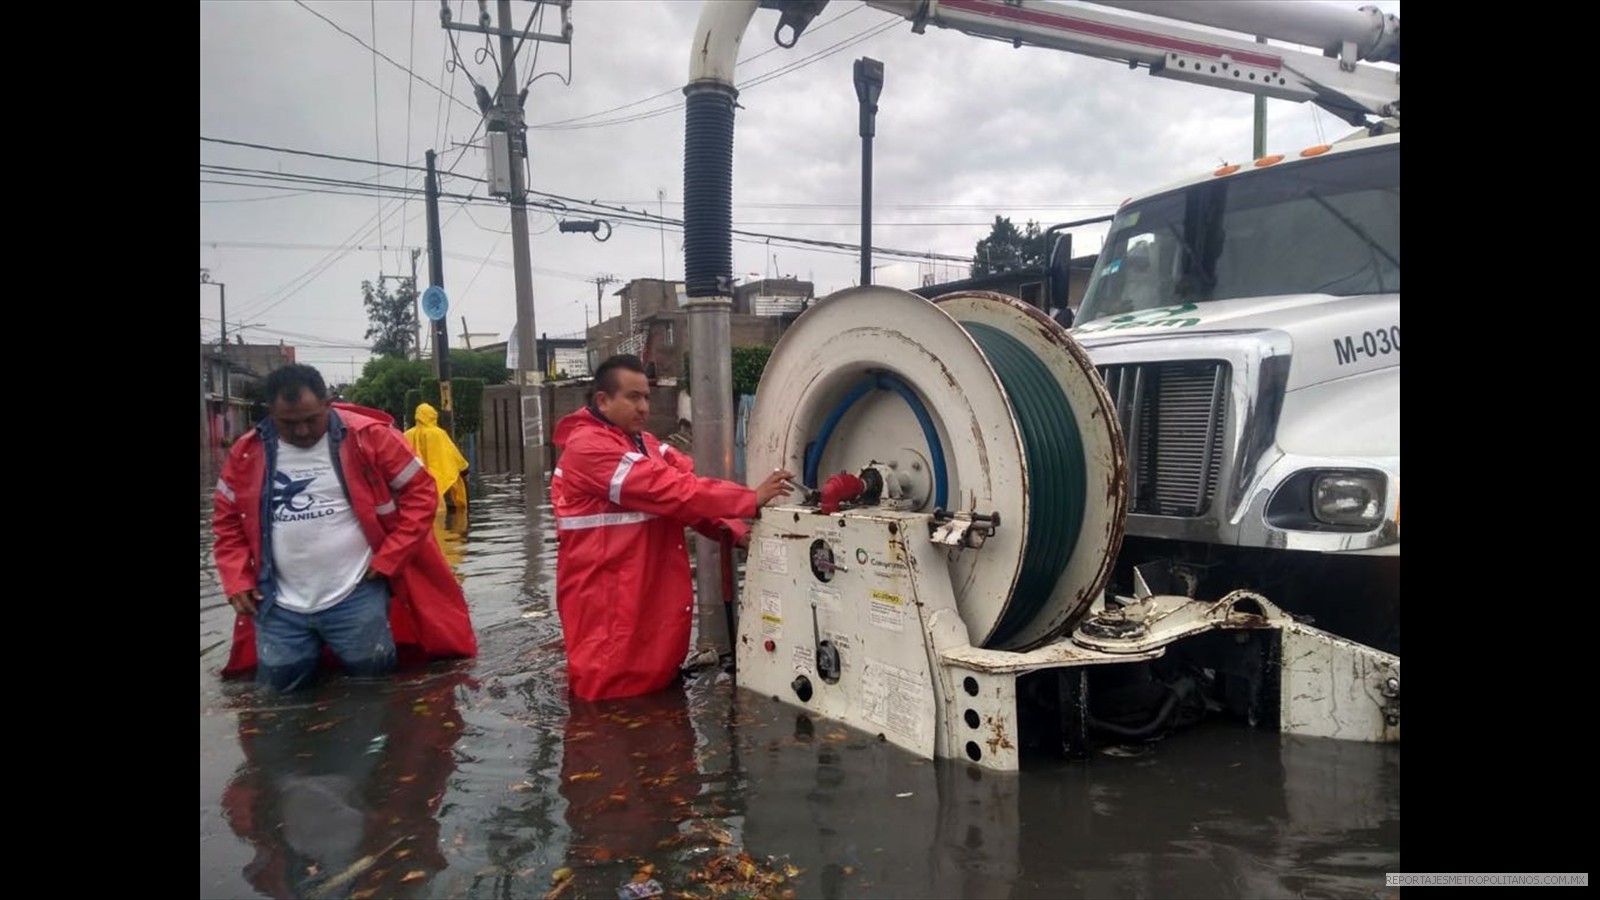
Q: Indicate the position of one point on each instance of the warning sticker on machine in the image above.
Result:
(774, 557)
(804, 659)
(893, 697)
(826, 599)
(887, 611)
(771, 615)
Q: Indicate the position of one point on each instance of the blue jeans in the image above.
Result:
(289, 643)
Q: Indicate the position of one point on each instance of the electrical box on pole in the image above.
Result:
(497, 151)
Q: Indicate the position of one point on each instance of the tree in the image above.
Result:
(384, 381)
(1007, 249)
(392, 318)
(491, 367)
(748, 364)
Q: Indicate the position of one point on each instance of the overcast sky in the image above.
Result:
(967, 129)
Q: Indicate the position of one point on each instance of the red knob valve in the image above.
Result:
(840, 488)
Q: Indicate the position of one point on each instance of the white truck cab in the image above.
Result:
(1247, 325)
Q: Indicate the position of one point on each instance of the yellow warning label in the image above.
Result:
(886, 597)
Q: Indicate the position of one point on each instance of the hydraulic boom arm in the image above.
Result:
(1335, 80)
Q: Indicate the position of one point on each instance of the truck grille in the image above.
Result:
(1172, 417)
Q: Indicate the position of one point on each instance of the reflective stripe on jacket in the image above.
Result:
(622, 575)
(394, 499)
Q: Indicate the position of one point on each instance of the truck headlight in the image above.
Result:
(1348, 499)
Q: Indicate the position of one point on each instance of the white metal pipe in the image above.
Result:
(717, 37)
(1326, 26)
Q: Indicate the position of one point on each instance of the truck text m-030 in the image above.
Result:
(1368, 344)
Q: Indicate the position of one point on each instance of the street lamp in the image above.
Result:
(869, 84)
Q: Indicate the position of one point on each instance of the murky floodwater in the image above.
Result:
(479, 779)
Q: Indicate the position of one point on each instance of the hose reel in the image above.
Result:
(976, 408)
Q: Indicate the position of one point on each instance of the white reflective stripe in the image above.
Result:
(557, 472)
(385, 508)
(600, 520)
(224, 490)
(664, 450)
(405, 474)
(628, 459)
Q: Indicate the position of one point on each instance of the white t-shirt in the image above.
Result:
(318, 547)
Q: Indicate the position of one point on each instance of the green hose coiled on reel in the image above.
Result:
(1056, 476)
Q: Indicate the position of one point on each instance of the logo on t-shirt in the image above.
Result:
(289, 494)
(292, 502)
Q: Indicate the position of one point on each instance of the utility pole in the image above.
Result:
(222, 289)
(441, 330)
(528, 379)
(416, 303)
(205, 418)
(227, 373)
(600, 282)
(505, 133)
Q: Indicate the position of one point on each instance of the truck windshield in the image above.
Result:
(1329, 225)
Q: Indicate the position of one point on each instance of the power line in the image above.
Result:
(411, 58)
(480, 226)
(444, 65)
(570, 205)
(268, 245)
(628, 217)
(877, 205)
(677, 90)
(332, 156)
(790, 68)
(538, 10)
(331, 193)
(377, 142)
(314, 341)
(269, 197)
(565, 79)
(460, 257)
(775, 206)
(875, 224)
(407, 193)
(386, 59)
(310, 275)
(456, 62)
(474, 280)
(379, 190)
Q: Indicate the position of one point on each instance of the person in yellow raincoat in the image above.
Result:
(439, 454)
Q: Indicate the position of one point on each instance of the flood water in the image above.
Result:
(480, 779)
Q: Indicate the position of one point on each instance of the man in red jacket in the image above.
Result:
(622, 499)
(322, 516)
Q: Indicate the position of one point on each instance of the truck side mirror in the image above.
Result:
(1060, 268)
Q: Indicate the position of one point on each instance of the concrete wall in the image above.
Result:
(743, 331)
(499, 446)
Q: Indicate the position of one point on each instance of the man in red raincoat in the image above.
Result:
(324, 541)
(622, 499)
